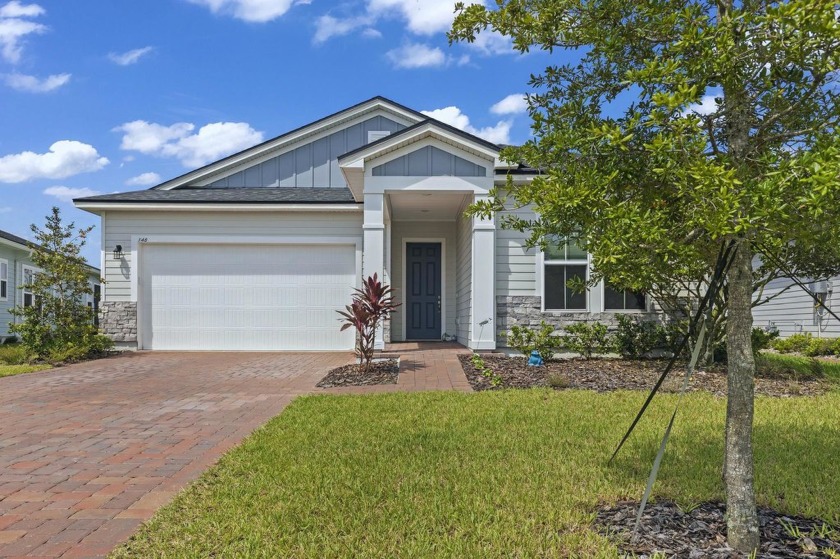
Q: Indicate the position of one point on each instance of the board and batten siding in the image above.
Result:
(119, 226)
(793, 311)
(463, 277)
(427, 230)
(314, 164)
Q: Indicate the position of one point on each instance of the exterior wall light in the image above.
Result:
(118, 253)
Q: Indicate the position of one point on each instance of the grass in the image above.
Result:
(792, 366)
(11, 370)
(493, 474)
(13, 361)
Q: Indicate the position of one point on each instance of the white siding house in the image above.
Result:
(259, 250)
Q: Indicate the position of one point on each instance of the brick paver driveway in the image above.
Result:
(89, 451)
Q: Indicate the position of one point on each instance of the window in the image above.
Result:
(564, 261)
(4, 279)
(28, 278)
(627, 300)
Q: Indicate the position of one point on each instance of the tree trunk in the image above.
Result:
(741, 517)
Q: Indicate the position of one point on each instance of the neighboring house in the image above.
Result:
(793, 311)
(16, 269)
(259, 250)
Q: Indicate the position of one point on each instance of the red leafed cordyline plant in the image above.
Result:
(372, 304)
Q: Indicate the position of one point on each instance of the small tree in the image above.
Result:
(726, 153)
(57, 324)
(372, 304)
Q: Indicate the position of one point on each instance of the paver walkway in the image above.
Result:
(89, 451)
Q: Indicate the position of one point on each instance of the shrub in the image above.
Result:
(371, 304)
(796, 343)
(763, 339)
(59, 324)
(13, 354)
(525, 340)
(588, 338)
(636, 338)
(822, 346)
(556, 380)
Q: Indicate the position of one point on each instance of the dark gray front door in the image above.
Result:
(422, 298)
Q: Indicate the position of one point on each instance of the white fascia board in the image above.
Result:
(95, 207)
(13, 244)
(287, 142)
(515, 179)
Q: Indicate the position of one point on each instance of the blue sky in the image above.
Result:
(100, 96)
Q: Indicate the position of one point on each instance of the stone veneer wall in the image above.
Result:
(526, 311)
(118, 320)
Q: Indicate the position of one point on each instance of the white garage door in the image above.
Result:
(245, 297)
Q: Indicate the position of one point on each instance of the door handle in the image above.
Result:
(438, 302)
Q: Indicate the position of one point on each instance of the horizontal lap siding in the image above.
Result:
(515, 266)
(119, 227)
(14, 258)
(463, 275)
(793, 311)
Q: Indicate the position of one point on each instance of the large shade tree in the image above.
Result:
(677, 128)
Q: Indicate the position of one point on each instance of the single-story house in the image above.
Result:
(793, 311)
(16, 269)
(258, 250)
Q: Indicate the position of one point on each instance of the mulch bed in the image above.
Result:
(701, 532)
(381, 372)
(604, 375)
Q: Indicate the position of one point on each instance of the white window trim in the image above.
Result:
(543, 262)
(23, 269)
(5, 280)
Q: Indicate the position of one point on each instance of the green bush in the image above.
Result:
(525, 340)
(796, 343)
(772, 365)
(822, 346)
(761, 339)
(588, 338)
(636, 338)
(13, 354)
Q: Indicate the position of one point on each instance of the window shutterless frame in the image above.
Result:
(558, 265)
(626, 295)
(4, 279)
(27, 276)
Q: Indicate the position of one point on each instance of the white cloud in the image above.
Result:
(16, 9)
(498, 134)
(211, 142)
(146, 179)
(65, 158)
(66, 194)
(371, 33)
(706, 106)
(257, 11)
(491, 42)
(5, 209)
(129, 57)
(14, 28)
(510, 105)
(32, 84)
(422, 18)
(416, 55)
(327, 27)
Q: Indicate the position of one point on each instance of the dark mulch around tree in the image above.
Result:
(381, 372)
(701, 532)
(603, 375)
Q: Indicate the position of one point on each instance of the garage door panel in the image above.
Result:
(245, 297)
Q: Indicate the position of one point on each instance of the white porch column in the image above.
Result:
(483, 283)
(373, 252)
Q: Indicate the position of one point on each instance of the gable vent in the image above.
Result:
(374, 135)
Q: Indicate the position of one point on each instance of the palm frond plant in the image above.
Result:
(372, 304)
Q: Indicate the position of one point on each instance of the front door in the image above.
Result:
(423, 291)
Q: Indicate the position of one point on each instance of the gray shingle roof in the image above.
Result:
(28, 244)
(263, 195)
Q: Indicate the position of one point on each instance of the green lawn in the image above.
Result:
(10, 370)
(493, 474)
